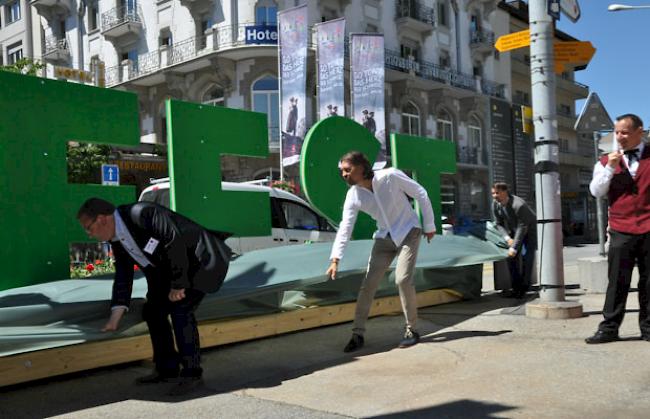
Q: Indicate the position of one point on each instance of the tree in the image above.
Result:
(24, 66)
(85, 161)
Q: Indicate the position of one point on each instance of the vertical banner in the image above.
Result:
(293, 34)
(367, 85)
(330, 52)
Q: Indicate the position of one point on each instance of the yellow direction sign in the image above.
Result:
(513, 41)
(573, 52)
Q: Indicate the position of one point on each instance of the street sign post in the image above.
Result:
(573, 52)
(571, 9)
(110, 174)
(513, 41)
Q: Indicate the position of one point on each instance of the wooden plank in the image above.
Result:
(57, 361)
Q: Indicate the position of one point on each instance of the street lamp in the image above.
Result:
(619, 7)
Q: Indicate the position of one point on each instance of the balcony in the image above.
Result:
(198, 6)
(411, 15)
(56, 51)
(580, 90)
(481, 41)
(122, 25)
(50, 9)
(472, 156)
(426, 71)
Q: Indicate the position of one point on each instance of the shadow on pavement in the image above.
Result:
(262, 363)
(466, 409)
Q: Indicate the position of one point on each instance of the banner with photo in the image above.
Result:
(293, 34)
(330, 38)
(367, 85)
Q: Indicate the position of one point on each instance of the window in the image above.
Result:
(93, 16)
(371, 28)
(475, 141)
(409, 50)
(165, 38)
(12, 11)
(14, 53)
(214, 96)
(266, 13)
(265, 100)
(444, 126)
(299, 217)
(447, 196)
(445, 59)
(564, 110)
(496, 55)
(328, 14)
(411, 119)
(442, 14)
(477, 69)
(564, 145)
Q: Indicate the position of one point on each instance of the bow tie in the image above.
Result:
(632, 155)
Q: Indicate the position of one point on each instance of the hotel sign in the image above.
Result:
(262, 34)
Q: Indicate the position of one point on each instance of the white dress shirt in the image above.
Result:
(387, 204)
(124, 236)
(599, 185)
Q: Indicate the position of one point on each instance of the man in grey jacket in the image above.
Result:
(518, 224)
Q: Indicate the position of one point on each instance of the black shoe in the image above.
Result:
(411, 337)
(355, 343)
(185, 385)
(507, 293)
(157, 378)
(602, 337)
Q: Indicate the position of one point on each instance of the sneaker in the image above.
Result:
(157, 378)
(355, 343)
(411, 337)
(185, 386)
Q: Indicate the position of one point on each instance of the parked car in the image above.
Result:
(293, 221)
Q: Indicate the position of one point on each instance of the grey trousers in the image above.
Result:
(383, 253)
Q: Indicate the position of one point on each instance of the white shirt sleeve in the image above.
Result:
(350, 212)
(599, 185)
(417, 192)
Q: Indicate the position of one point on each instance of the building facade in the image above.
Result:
(16, 31)
(440, 68)
(576, 153)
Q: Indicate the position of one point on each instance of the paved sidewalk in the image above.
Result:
(477, 359)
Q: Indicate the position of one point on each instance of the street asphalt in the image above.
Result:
(477, 359)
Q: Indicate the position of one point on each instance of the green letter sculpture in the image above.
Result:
(427, 158)
(321, 181)
(37, 206)
(198, 135)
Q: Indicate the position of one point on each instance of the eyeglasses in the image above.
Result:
(89, 226)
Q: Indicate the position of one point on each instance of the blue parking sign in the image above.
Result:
(110, 174)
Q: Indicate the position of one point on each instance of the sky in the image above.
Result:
(619, 71)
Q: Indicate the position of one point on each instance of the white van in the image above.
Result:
(293, 221)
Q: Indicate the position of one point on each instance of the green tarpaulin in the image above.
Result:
(261, 282)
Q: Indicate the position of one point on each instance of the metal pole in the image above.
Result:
(547, 182)
(600, 215)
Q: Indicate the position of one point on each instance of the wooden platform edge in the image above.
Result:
(20, 368)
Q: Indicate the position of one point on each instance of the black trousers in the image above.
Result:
(626, 251)
(521, 267)
(156, 312)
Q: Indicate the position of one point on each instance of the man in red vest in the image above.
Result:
(624, 177)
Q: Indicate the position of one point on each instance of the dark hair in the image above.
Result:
(636, 121)
(500, 186)
(94, 207)
(357, 158)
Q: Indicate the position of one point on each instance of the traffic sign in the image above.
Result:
(554, 9)
(513, 41)
(573, 52)
(110, 174)
(571, 9)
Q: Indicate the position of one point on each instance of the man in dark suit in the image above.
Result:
(181, 261)
(623, 176)
(518, 223)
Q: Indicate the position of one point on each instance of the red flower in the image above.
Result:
(90, 267)
(136, 268)
(99, 262)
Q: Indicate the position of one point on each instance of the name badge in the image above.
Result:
(151, 246)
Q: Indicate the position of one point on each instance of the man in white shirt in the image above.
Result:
(383, 194)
